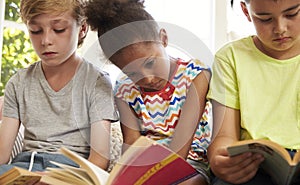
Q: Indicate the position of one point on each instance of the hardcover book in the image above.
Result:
(145, 162)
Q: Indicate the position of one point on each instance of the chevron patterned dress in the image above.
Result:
(160, 111)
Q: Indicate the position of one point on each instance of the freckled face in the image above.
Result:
(147, 64)
(54, 37)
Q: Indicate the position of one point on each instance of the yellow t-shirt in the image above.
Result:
(264, 89)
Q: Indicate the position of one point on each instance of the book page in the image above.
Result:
(148, 162)
(129, 155)
(74, 172)
(297, 157)
(18, 175)
(261, 146)
(98, 175)
(277, 160)
(65, 176)
(53, 181)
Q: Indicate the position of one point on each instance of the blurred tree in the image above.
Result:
(17, 49)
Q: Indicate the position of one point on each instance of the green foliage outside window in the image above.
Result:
(17, 50)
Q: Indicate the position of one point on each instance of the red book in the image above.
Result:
(147, 162)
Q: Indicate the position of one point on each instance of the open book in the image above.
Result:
(19, 176)
(145, 162)
(87, 174)
(278, 162)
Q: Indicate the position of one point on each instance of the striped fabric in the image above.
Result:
(18, 143)
(160, 111)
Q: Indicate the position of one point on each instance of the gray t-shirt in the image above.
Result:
(54, 119)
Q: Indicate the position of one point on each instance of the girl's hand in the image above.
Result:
(236, 170)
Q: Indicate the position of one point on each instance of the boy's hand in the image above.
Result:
(238, 169)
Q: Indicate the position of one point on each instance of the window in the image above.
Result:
(16, 51)
(238, 25)
(198, 19)
(187, 21)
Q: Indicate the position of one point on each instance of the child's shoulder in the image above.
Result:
(123, 80)
(245, 41)
(23, 75)
(189, 69)
(192, 64)
(23, 72)
(89, 66)
(244, 44)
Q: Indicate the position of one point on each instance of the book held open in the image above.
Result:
(145, 162)
(278, 162)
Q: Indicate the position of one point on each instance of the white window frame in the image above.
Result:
(218, 28)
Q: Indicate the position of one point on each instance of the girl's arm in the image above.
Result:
(191, 114)
(129, 124)
(9, 129)
(100, 144)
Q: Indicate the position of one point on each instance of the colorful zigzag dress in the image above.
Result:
(160, 111)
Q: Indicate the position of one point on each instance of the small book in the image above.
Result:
(278, 163)
(16, 176)
(145, 162)
(20, 176)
